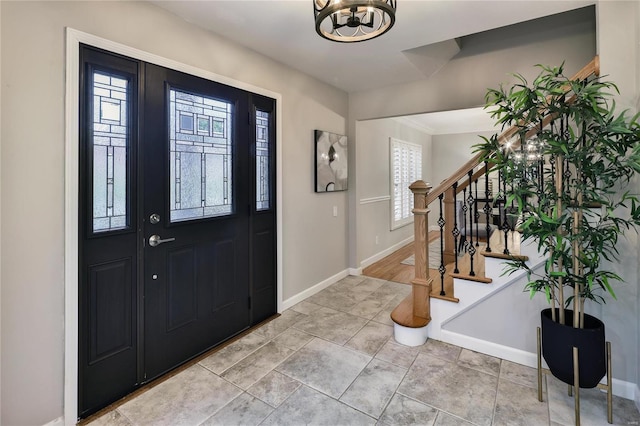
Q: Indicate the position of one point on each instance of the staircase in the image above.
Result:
(469, 273)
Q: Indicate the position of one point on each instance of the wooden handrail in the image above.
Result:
(592, 68)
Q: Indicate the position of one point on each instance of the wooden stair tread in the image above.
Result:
(497, 246)
(436, 285)
(501, 255)
(475, 278)
(403, 315)
(464, 266)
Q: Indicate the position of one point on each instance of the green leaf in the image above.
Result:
(605, 281)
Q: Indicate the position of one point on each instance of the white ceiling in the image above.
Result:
(285, 31)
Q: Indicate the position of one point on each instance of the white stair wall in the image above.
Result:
(475, 297)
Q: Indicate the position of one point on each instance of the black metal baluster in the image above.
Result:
(476, 214)
(470, 247)
(505, 223)
(552, 167)
(541, 160)
(540, 176)
(441, 268)
(463, 238)
(567, 168)
(456, 231)
(487, 208)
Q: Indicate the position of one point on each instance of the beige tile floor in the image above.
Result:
(332, 360)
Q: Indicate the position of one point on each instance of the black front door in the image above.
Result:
(177, 220)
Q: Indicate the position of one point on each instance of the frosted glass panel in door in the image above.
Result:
(262, 160)
(201, 150)
(110, 141)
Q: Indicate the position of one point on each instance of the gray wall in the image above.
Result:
(619, 50)
(372, 159)
(450, 153)
(32, 179)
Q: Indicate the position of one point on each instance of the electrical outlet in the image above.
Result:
(335, 211)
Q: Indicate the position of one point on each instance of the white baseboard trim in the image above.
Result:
(434, 228)
(384, 253)
(494, 349)
(355, 271)
(621, 388)
(56, 422)
(286, 304)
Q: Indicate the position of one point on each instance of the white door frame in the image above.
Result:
(73, 40)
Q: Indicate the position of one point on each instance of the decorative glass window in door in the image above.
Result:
(262, 160)
(110, 141)
(200, 161)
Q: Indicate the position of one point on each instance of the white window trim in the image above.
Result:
(393, 143)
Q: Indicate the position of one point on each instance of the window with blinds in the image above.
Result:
(406, 168)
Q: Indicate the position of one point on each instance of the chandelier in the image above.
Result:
(349, 21)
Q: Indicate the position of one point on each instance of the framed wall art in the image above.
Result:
(331, 162)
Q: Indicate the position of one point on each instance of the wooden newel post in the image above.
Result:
(422, 282)
(413, 313)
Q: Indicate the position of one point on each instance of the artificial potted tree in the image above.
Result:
(567, 166)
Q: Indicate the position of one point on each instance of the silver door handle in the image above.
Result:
(155, 240)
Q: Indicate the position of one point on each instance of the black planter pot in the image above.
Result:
(558, 341)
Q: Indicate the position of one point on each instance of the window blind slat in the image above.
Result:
(406, 166)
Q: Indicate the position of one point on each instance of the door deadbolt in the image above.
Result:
(154, 219)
